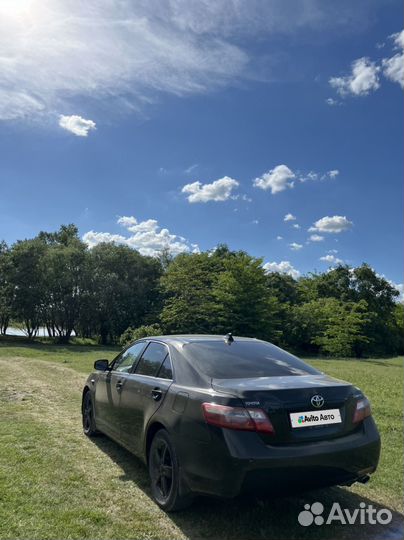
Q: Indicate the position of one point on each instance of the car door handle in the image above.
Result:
(156, 393)
(119, 385)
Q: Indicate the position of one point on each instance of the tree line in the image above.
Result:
(113, 293)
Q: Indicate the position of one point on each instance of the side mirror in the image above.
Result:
(101, 365)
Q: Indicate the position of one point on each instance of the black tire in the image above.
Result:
(165, 474)
(88, 416)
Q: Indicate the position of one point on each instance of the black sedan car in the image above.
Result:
(217, 415)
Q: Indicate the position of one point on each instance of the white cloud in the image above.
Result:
(332, 102)
(127, 221)
(255, 221)
(54, 52)
(393, 68)
(131, 223)
(295, 247)
(241, 197)
(279, 237)
(332, 251)
(312, 175)
(333, 173)
(296, 226)
(76, 124)
(316, 238)
(289, 217)
(92, 238)
(191, 168)
(284, 267)
(282, 177)
(398, 286)
(254, 16)
(331, 224)
(331, 259)
(147, 237)
(400, 289)
(278, 179)
(398, 39)
(363, 79)
(16, 104)
(219, 190)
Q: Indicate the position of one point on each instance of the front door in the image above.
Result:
(109, 388)
(143, 393)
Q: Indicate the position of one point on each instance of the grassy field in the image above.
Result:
(55, 483)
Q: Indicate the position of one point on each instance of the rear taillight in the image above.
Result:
(362, 410)
(237, 418)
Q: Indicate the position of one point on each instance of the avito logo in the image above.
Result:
(315, 418)
(364, 514)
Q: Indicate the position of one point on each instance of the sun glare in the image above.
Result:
(14, 7)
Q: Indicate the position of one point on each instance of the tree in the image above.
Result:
(333, 327)
(28, 281)
(132, 334)
(189, 303)
(305, 326)
(218, 292)
(57, 281)
(241, 297)
(397, 329)
(354, 285)
(63, 263)
(337, 283)
(122, 289)
(283, 289)
(64, 236)
(343, 327)
(6, 287)
(165, 258)
(380, 297)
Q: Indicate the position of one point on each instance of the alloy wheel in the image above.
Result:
(162, 470)
(87, 413)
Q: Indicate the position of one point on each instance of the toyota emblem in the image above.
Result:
(317, 401)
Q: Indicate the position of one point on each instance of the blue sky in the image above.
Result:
(187, 124)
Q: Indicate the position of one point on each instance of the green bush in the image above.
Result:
(132, 334)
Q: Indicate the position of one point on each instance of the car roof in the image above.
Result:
(196, 338)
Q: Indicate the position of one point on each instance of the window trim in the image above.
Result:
(161, 365)
(112, 364)
(133, 371)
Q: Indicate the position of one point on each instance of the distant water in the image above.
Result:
(42, 332)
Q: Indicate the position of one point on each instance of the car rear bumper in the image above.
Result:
(238, 461)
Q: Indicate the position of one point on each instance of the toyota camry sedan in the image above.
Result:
(218, 415)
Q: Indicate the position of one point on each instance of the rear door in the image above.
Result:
(143, 393)
(109, 387)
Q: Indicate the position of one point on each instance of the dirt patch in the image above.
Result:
(13, 395)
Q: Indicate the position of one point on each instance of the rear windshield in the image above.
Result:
(243, 359)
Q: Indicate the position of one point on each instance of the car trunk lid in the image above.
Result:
(281, 396)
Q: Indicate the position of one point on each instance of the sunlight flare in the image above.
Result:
(14, 8)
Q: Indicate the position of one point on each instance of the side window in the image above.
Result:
(151, 359)
(128, 358)
(166, 370)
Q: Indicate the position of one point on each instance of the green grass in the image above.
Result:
(55, 483)
(79, 357)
